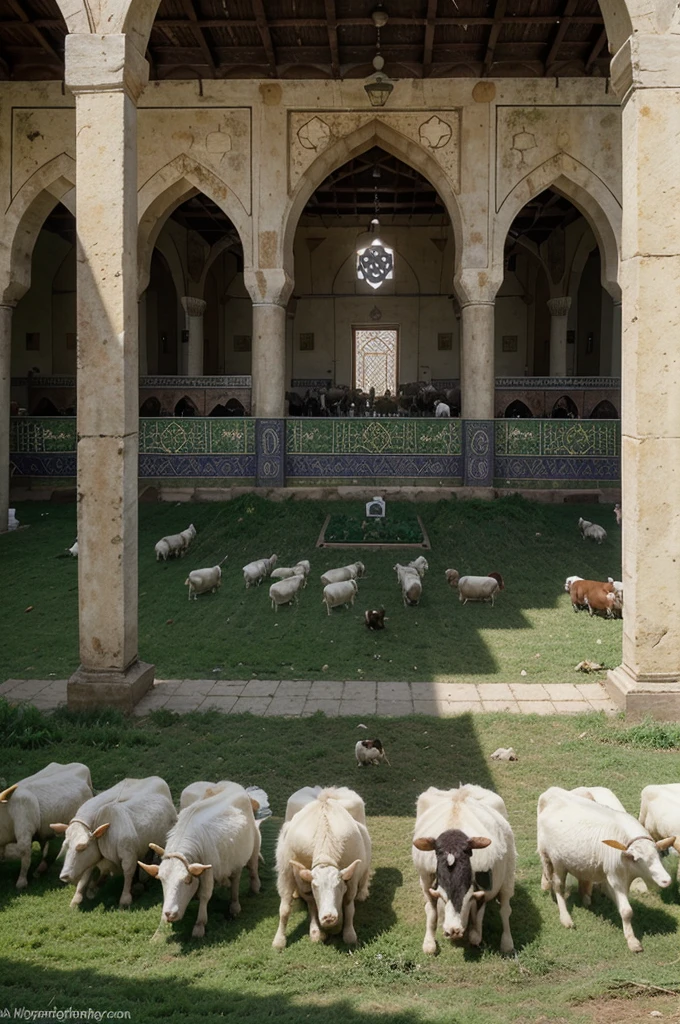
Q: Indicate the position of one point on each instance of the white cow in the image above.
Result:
(660, 813)
(214, 839)
(462, 838)
(28, 807)
(324, 854)
(596, 844)
(112, 831)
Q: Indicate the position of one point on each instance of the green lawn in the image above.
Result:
(103, 958)
(234, 634)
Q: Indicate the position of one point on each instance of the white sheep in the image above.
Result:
(202, 581)
(175, 544)
(187, 536)
(420, 564)
(442, 409)
(345, 572)
(342, 593)
(162, 550)
(572, 579)
(410, 582)
(474, 588)
(286, 591)
(255, 572)
(592, 531)
(73, 550)
(285, 572)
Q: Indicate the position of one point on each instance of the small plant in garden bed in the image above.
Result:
(347, 529)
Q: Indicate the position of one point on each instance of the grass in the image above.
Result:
(103, 958)
(234, 634)
(400, 529)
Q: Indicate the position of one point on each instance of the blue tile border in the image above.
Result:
(270, 452)
(478, 452)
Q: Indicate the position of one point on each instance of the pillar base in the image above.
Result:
(641, 698)
(90, 689)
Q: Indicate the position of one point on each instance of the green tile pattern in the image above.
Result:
(559, 438)
(162, 436)
(37, 434)
(373, 437)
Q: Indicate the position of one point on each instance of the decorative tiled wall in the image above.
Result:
(327, 452)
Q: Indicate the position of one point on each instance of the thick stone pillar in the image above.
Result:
(194, 309)
(477, 380)
(559, 311)
(107, 73)
(270, 291)
(617, 341)
(646, 74)
(5, 377)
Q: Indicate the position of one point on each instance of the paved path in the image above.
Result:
(296, 699)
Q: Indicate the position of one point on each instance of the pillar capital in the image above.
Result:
(475, 286)
(646, 62)
(559, 306)
(268, 287)
(107, 63)
(192, 306)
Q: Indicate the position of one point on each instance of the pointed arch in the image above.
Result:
(24, 219)
(168, 188)
(590, 196)
(374, 133)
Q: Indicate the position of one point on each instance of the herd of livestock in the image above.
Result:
(463, 846)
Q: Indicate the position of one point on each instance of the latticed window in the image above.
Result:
(375, 359)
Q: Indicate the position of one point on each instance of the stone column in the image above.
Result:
(5, 378)
(646, 75)
(559, 311)
(270, 291)
(477, 379)
(194, 309)
(617, 341)
(107, 74)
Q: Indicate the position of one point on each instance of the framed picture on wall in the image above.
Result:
(307, 342)
(242, 342)
(32, 341)
(445, 342)
(509, 343)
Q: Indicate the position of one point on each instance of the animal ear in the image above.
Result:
(435, 894)
(664, 844)
(424, 844)
(304, 873)
(478, 842)
(59, 827)
(255, 805)
(198, 869)
(151, 869)
(347, 872)
(99, 832)
(614, 843)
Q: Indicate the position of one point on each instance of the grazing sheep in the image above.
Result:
(175, 544)
(342, 593)
(420, 564)
(73, 550)
(618, 514)
(369, 752)
(285, 572)
(255, 572)
(592, 531)
(187, 536)
(375, 618)
(475, 588)
(286, 591)
(442, 409)
(410, 582)
(162, 550)
(200, 581)
(346, 572)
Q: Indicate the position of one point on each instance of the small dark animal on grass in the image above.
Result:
(370, 752)
(375, 618)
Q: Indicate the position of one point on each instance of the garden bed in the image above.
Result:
(341, 530)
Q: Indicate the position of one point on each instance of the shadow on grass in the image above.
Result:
(646, 921)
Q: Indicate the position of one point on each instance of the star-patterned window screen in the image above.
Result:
(375, 359)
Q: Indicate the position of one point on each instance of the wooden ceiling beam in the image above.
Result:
(494, 33)
(332, 23)
(560, 32)
(200, 37)
(35, 32)
(265, 35)
(429, 37)
(596, 50)
(294, 23)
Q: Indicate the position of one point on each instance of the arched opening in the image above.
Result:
(345, 332)
(604, 410)
(186, 407)
(553, 315)
(565, 408)
(517, 410)
(151, 406)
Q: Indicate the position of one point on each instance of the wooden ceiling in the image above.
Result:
(334, 39)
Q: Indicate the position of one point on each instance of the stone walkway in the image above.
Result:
(294, 699)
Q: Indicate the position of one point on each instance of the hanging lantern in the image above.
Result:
(375, 262)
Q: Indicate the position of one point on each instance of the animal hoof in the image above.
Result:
(635, 946)
(474, 938)
(279, 943)
(77, 900)
(22, 883)
(316, 935)
(350, 938)
(234, 909)
(430, 947)
(198, 931)
(125, 901)
(41, 868)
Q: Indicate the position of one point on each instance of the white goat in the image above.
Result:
(660, 813)
(420, 564)
(410, 582)
(286, 591)
(474, 588)
(175, 544)
(592, 531)
(255, 572)
(74, 549)
(28, 807)
(346, 572)
(285, 572)
(187, 536)
(336, 594)
(202, 581)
